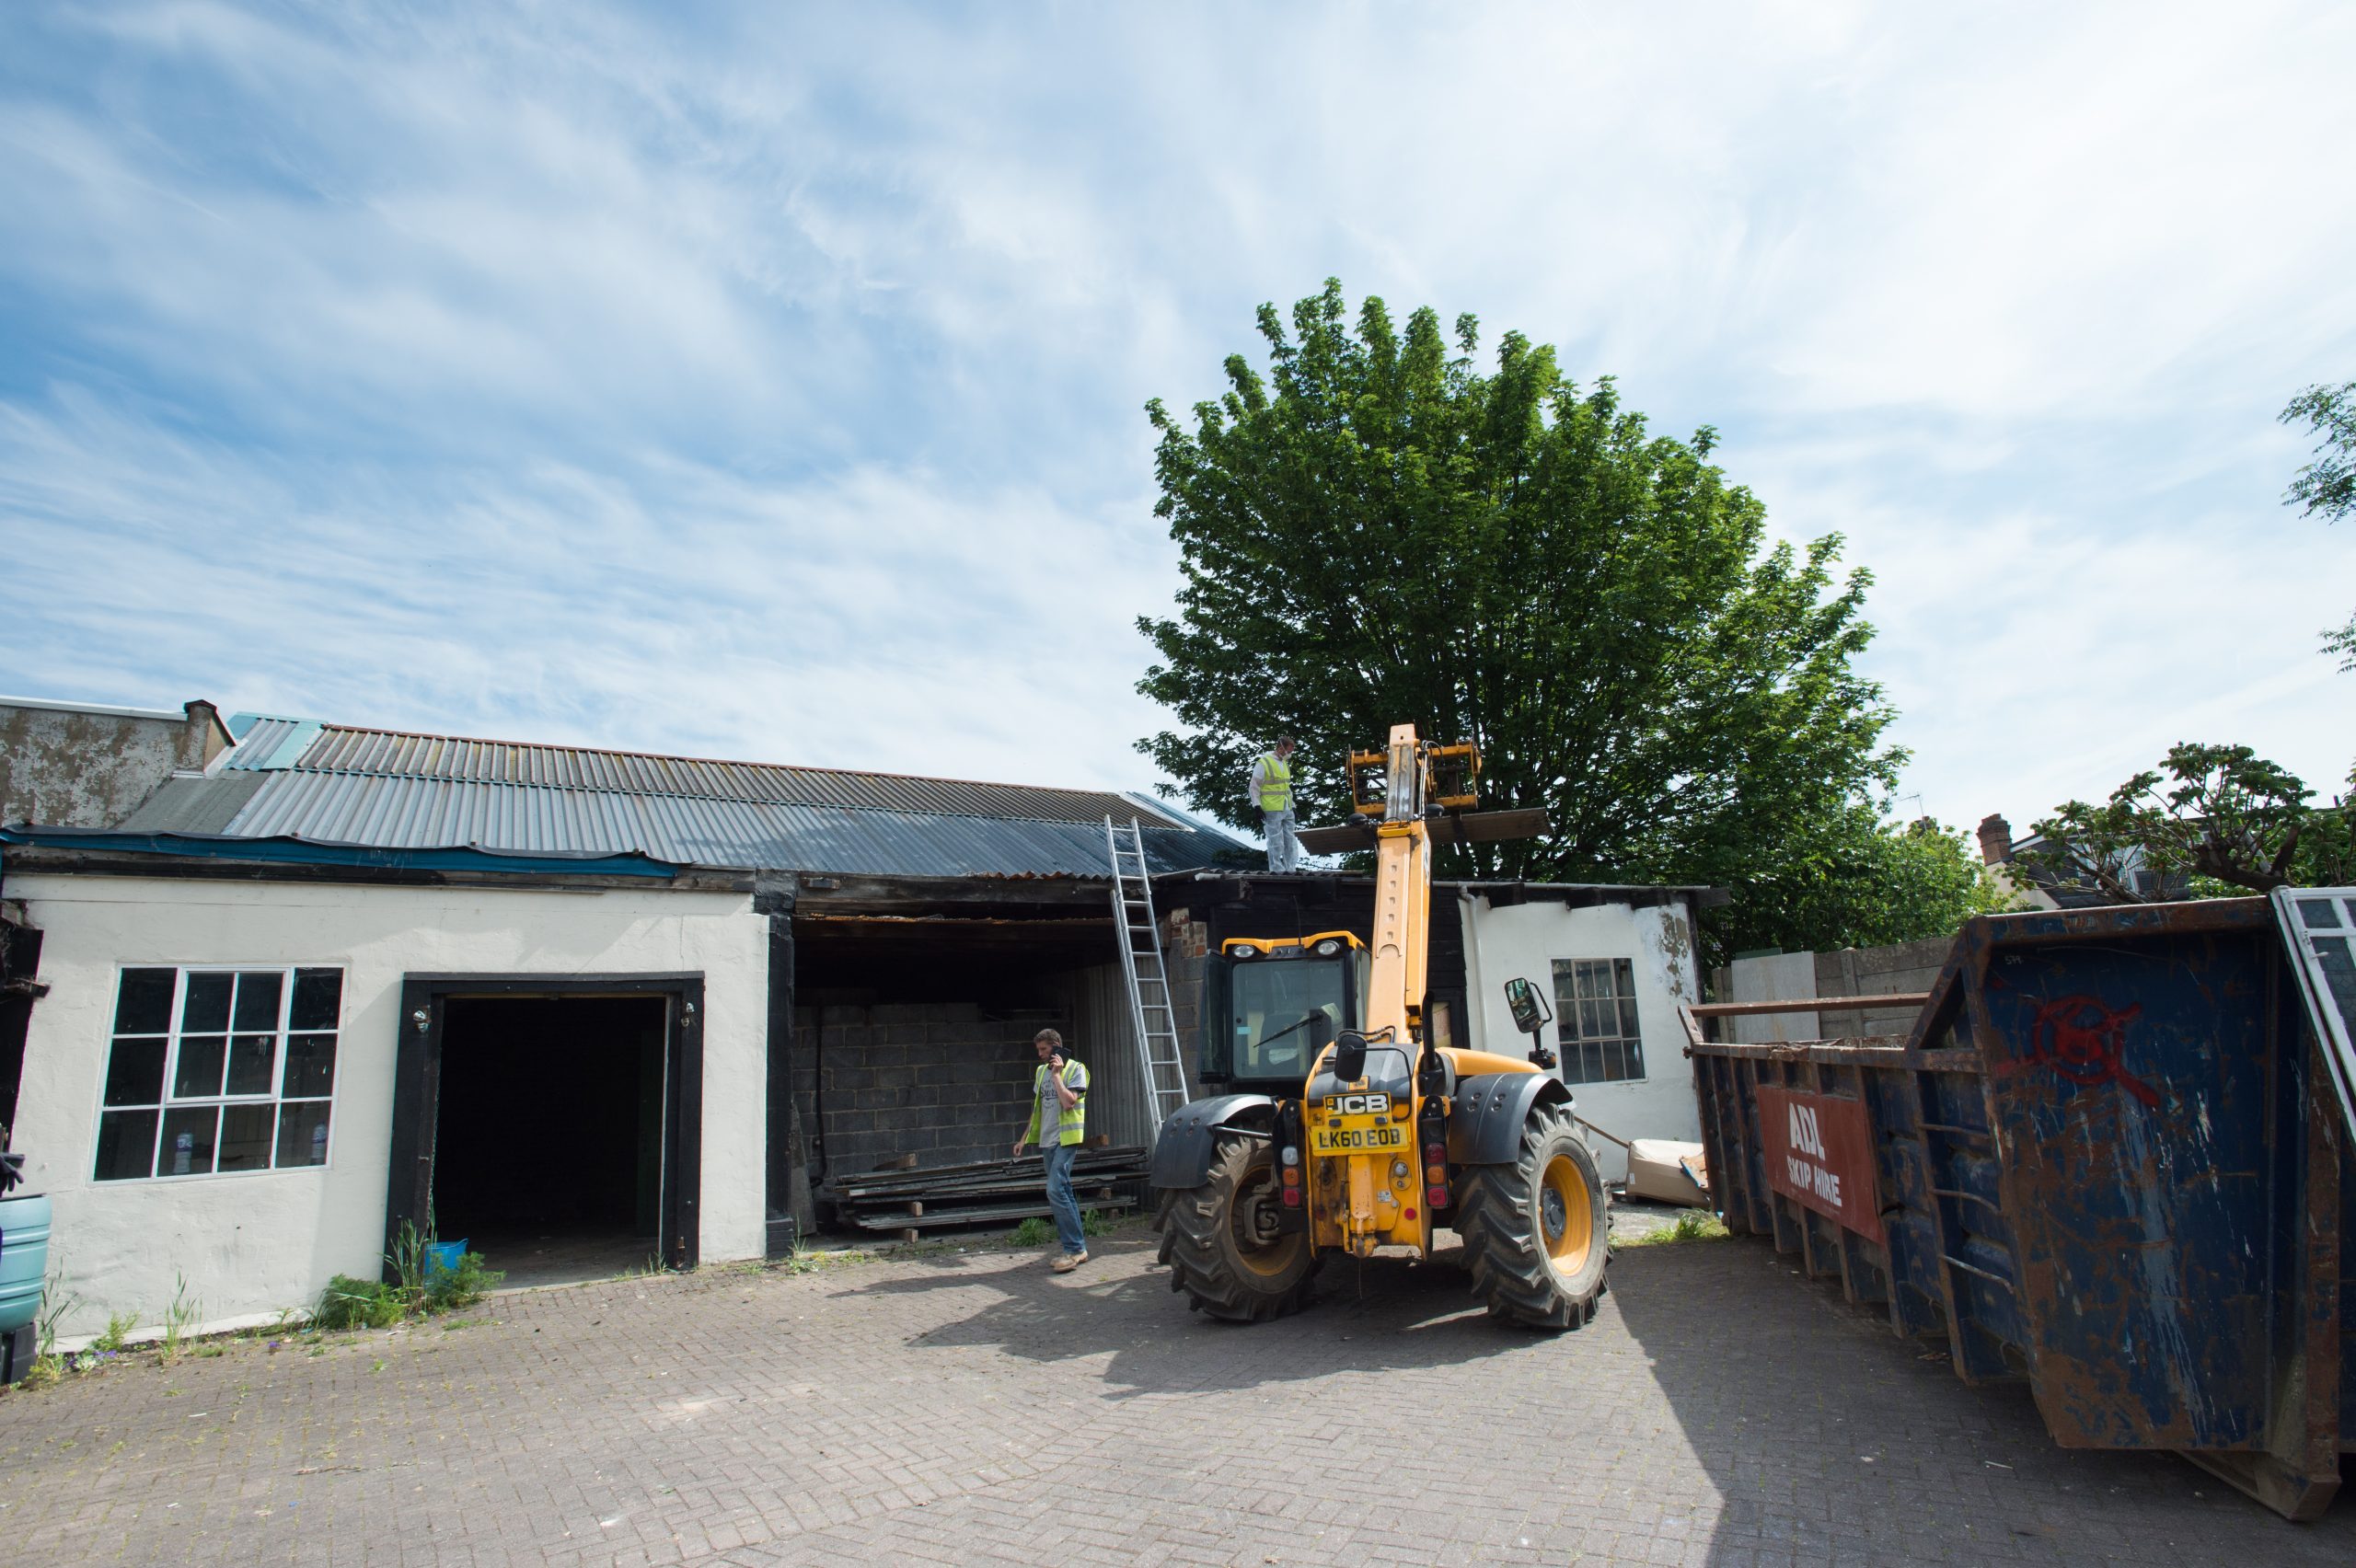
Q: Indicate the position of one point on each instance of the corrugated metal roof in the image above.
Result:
(260, 741)
(349, 807)
(393, 754)
(194, 805)
(338, 784)
(293, 851)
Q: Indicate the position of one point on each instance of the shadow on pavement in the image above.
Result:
(1829, 1438)
(1383, 1314)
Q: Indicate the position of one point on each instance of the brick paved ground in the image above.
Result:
(973, 1408)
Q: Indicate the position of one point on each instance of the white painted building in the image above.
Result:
(228, 1072)
(1617, 972)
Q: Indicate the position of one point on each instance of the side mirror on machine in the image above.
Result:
(1531, 1015)
(1349, 1056)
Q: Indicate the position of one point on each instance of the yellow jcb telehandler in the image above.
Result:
(1341, 1126)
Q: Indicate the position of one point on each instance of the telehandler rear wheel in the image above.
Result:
(1537, 1233)
(1222, 1242)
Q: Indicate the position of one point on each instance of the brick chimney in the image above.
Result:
(1995, 839)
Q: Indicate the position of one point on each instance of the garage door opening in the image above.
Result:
(548, 1148)
(557, 1132)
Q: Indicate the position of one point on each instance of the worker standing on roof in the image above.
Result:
(1272, 793)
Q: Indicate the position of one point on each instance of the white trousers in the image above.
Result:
(1283, 849)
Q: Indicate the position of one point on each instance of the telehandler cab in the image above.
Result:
(1346, 1127)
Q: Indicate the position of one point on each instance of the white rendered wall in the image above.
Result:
(254, 1243)
(1526, 938)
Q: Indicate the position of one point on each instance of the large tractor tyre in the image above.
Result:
(1222, 1242)
(1537, 1233)
(1163, 1200)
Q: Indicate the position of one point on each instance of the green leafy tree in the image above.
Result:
(1376, 531)
(2326, 487)
(2221, 818)
(1864, 882)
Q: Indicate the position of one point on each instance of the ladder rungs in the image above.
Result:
(1161, 1052)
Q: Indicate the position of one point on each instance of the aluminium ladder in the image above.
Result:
(1150, 1010)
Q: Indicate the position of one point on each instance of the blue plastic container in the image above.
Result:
(24, 1259)
(444, 1257)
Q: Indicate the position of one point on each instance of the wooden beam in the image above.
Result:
(821, 893)
(1810, 1004)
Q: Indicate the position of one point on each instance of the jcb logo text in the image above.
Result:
(1358, 1105)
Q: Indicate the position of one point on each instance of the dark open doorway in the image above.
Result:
(554, 1126)
(547, 1148)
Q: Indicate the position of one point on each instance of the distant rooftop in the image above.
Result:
(53, 704)
(333, 783)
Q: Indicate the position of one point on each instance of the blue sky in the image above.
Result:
(766, 381)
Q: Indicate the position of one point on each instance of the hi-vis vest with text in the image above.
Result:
(1276, 783)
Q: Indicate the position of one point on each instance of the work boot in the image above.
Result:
(1069, 1261)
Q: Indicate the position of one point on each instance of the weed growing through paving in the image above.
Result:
(177, 1318)
(1692, 1224)
(55, 1302)
(417, 1289)
(120, 1326)
(1038, 1232)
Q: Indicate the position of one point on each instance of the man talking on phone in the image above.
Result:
(1057, 1125)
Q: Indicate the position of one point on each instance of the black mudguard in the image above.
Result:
(1182, 1155)
(1485, 1123)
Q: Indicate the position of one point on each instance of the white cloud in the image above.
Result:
(772, 389)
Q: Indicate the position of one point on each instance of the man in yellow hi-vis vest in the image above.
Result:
(1058, 1126)
(1272, 793)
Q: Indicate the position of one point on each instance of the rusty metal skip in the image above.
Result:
(2107, 1158)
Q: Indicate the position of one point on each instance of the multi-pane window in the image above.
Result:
(1595, 1019)
(219, 1070)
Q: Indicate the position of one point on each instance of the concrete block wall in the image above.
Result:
(1876, 972)
(934, 1079)
(1850, 971)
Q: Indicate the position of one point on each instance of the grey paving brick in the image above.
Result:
(972, 1407)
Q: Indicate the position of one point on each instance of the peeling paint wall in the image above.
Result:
(89, 767)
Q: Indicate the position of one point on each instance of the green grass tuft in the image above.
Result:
(1692, 1224)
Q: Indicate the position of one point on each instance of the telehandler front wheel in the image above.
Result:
(1537, 1232)
(1222, 1242)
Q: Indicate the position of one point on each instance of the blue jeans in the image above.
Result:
(1059, 1158)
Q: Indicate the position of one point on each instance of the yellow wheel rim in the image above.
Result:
(1566, 1215)
(1269, 1260)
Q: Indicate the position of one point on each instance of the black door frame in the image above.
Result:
(417, 1088)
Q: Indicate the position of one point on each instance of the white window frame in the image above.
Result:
(220, 1103)
(2296, 911)
(1565, 1020)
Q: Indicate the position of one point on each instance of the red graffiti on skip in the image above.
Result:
(2084, 1042)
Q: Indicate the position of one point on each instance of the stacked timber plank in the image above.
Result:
(1002, 1191)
